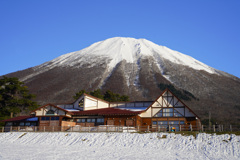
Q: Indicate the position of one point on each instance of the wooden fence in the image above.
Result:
(108, 128)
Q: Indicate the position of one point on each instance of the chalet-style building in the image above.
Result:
(167, 110)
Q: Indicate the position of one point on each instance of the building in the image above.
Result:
(166, 112)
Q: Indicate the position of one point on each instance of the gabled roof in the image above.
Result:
(175, 97)
(50, 105)
(85, 94)
(19, 118)
(105, 111)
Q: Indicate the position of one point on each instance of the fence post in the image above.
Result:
(191, 127)
(158, 127)
(88, 128)
(230, 127)
(2, 129)
(202, 128)
(147, 128)
(127, 129)
(214, 129)
(11, 129)
(180, 128)
(138, 128)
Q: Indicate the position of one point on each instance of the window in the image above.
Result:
(154, 122)
(159, 114)
(27, 124)
(81, 103)
(81, 120)
(177, 114)
(182, 122)
(100, 120)
(45, 118)
(50, 112)
(21, 124)
(168, 112)
(54, 118)
(33, 123)
(173, 122)
(162, 122)
(90, 120)
(9, 124)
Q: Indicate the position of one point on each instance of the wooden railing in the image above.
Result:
(108, 128)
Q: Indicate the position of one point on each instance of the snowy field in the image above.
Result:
(72, 145)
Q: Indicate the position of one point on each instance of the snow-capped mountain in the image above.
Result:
(114, 50)
(135, 67)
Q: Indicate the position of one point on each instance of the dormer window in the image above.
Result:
(50, 112)
(81, 103)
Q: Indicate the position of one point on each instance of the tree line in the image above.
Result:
(107, 96)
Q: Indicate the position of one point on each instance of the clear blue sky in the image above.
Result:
(35, 31)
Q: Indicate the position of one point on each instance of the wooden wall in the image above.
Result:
(121, 120)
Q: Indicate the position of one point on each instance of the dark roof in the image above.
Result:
(105, 111)
(19, 118)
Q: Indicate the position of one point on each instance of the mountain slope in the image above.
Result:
(135, 67)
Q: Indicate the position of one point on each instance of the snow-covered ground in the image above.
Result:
(73, 145)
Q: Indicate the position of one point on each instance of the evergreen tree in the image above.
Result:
(79, 94)
(14, 97)
(97, 93)
(108, 95)
(113, 97)
(124, 98)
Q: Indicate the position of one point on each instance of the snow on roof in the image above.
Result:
(72, 110)
(133, 108)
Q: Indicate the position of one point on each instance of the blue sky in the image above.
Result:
(35, 31)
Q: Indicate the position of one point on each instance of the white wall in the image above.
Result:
(102, 104)
(43, 111)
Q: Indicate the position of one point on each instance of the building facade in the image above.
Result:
(166, 112)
